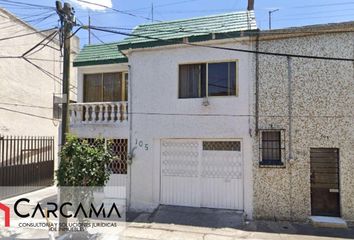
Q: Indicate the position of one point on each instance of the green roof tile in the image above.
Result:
(199, 29)
(99, 54)
(222, 26)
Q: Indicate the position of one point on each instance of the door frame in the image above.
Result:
(339, 179)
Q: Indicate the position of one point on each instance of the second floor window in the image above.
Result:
(207, 79)
(106, 87)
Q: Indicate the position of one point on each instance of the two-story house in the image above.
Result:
(179, 108)
(304, 146)
(215, 114)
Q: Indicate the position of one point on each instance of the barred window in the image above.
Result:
(222, 145)
(119, 148)
(271, 147)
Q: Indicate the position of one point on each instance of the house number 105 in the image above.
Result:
(141, 144)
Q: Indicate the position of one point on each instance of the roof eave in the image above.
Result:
(190, 39)
(99, 62)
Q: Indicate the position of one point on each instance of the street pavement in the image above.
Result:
(184, 223)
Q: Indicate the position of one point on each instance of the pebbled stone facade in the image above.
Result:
(322, 94)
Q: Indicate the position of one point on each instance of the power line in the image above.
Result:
(163, 5)
(25, 113)
(206, 31)
(323, 5)
(226, 48)
(24, 18)
(44, 60)
(26, 34)
(30, 58)
(10, 2)
(24, 105)
(115, 10)
(50, 38)
(50, 75)
(316, 17)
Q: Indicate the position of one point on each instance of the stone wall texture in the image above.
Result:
(322, 109)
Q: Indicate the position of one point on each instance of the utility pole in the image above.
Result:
(152, 12)
(270, 17)
(67, 19)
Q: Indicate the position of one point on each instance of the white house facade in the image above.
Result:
(182, 107)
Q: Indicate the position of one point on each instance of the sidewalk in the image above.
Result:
(156, 231)
(161, 225)
(158, 226)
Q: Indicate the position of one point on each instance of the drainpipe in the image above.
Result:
(290, 119)
(290, 108)
(130, 116)
(257, 86)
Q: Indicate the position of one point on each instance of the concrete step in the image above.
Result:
(328, 222)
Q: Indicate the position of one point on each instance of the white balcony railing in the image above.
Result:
(98, 113)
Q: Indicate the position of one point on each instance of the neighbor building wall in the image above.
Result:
(322, 107)
(157, 113)
(26, 105)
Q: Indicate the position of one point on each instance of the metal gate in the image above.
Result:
(325, 192)
(26, 164)
(202, 173)
(118, 167)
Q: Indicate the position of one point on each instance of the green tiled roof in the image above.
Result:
(99, 54)
(229, 25)
(222, 26)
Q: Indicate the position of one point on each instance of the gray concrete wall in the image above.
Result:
(323, 100)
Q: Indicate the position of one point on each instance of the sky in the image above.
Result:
(290, 13)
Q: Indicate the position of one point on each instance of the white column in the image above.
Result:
(87, 115)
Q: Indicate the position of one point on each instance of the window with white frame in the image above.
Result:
(207, 79)
(106, 87)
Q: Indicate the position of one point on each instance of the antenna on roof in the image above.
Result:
(270, 17)
(89, 28)
(250, 6)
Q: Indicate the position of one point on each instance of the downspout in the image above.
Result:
(131, 150)
(290, 119)
(290, 106)
(257, 86)
(130, 118)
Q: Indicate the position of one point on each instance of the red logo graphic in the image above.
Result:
(6, 210)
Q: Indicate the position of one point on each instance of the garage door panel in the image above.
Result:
(222, 193)
(221, 178)
(181, 191)
(202, 173)
(180, 172)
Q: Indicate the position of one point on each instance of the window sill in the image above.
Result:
(271, 164)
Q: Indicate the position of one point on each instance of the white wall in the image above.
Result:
(26, 96)
(157, 113)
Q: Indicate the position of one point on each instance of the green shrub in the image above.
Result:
(82, 164)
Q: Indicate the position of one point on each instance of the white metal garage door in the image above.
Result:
(202, 173)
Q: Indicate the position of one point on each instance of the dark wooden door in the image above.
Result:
(325, 182)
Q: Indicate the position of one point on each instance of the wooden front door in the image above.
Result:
(325, 182)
